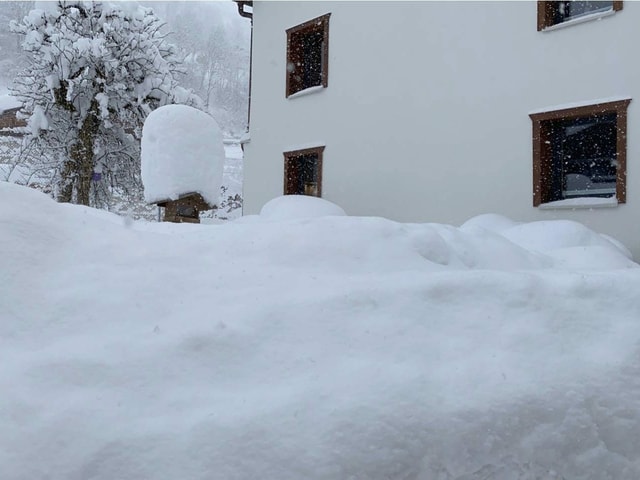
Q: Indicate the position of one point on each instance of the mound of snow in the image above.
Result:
(568, 243)
(290, 207)
(550, 235)
(489, 221)
(182, 152)
(321, 348)
(480, 248)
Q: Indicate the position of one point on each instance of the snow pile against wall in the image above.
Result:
(182, 152)
(289, 207)
(319, 348)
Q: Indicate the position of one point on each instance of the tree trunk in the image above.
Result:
(65, 193)
(82, 155)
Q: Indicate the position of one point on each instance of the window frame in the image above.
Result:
(542, 148)
(290, 156)
(319, 23)
(546, 14)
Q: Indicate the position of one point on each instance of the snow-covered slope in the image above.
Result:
(325, 347)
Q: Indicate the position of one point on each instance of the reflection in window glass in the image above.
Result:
(575, 9)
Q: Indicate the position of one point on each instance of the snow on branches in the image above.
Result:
(96, 71)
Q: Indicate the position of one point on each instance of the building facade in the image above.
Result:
(439, 111)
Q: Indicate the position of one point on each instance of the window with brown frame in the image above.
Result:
(554, 13)
(303, 172)
(580, 152)
(308, 55)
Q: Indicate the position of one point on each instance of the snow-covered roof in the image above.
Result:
(182, 153)
(8, 102)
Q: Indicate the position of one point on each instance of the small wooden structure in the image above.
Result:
(185, 209)
(9, 121)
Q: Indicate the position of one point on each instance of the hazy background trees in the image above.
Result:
(212, 39)
(12, 58)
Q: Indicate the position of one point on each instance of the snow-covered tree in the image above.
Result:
(96, 70)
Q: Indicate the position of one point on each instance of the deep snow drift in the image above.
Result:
(317, 347)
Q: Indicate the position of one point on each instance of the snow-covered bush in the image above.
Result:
(96, 71)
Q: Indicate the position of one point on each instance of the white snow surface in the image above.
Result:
(325, 347)
(182, 152)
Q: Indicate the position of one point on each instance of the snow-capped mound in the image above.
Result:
(290, 207)
(182, 152)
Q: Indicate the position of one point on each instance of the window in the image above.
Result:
(554, 13)
(303, 172)
(580, 152)
(308, 55)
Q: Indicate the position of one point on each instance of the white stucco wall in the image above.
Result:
(426, 114)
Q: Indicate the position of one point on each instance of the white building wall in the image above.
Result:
(425, 117)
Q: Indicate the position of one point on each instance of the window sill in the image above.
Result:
(576, 21)
(306, 91)
(580, 203)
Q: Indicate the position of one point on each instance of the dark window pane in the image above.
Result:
(584, 157)
(312, 59)
(307, 59)
(303, 175)
(307, 55)
(574, 9)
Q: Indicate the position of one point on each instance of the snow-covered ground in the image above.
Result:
(293, 345)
